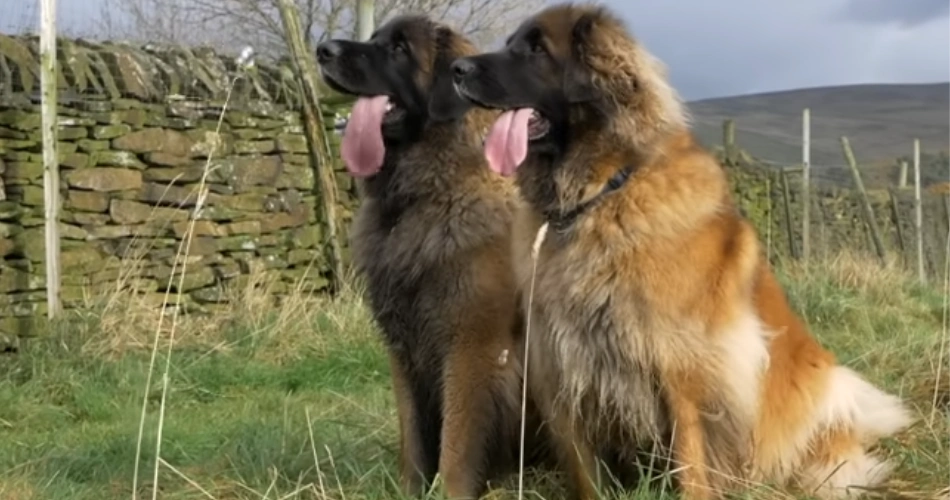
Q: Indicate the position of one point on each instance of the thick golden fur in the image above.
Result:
(657, 321)
(432, 240)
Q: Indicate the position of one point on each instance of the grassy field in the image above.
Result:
(293, 402)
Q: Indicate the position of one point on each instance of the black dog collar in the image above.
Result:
(561, 221)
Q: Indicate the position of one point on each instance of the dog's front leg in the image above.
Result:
(689, 446)
(417, 466)
(471, 421)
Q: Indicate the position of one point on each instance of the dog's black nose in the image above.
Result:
(462, 67)
(329, 50)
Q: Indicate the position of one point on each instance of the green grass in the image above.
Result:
(294, 402)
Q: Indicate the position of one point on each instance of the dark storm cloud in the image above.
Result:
(907, 13)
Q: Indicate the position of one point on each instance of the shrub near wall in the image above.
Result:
(132, 154)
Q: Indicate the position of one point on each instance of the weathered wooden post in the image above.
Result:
(787, 202)
(364, 18)
(729, 140)
(316, 134)
(806, 183)
(918, 214)
(865, 202)
(48, 96)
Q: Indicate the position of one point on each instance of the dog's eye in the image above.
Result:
(399, 48)
(535, 42)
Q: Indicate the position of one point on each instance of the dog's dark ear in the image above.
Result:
(444, 102)
(577, 81)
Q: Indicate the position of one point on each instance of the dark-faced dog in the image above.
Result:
(432, 240)
(660, 324)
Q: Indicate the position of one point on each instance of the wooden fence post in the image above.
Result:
(729, 140)
(806, 183)
(786, 198)
(902, 178)
(865, 202)
(48, 96)
(896, 214)
(918, 215)
(364, 18)
(316, 133)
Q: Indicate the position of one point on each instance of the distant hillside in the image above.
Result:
(880, 121)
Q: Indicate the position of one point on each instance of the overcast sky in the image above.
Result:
(727, 47)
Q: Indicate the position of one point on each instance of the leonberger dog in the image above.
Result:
(657, 323)
(432, 240)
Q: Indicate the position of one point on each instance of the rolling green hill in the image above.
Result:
(880, 121)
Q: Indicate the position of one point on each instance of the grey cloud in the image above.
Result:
(907, 13)
(741, 46)
(749, 46)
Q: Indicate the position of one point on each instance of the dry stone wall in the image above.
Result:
(137, 126)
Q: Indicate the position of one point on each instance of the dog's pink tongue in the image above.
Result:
(362, 146)
(507, 143)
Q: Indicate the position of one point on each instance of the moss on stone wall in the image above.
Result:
(136, 129)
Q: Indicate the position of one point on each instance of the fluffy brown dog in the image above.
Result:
(656, 320)
(432, 239)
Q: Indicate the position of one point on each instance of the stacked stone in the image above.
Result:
(133, 154)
